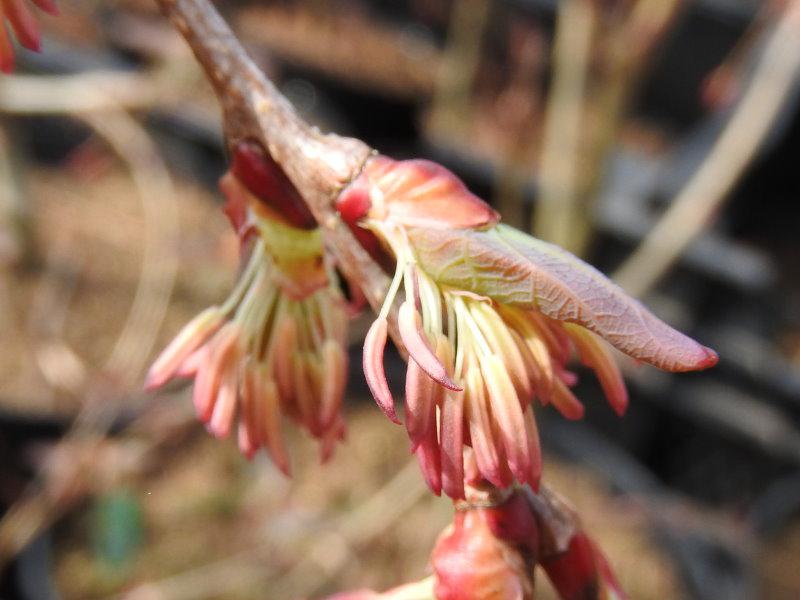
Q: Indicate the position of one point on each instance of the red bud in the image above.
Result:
(265, 179)
(513, 521)
(471, 563)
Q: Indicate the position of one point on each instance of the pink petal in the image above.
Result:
(23, 23)
(249, 440)
(333, 434)
(205, 386)
(195, 333)
(566, 403)
(481, 432)
(522, 323)
(334, 381)
(420, 404)
(410, 324)
(47, 6)
(532, 368)
(508, 415)
(502, 344)
(595, 356)
(246, 444)
(553, 336)
(268, 412)
(225, 406)
(215, 365)
(429, 459)
(188, 368)
(452, 445)
(534, 449)
(284, 349)
(374, 345)
(567, 377)
(306, 384)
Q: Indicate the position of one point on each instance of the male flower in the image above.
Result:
(277, 345)
(490, 319)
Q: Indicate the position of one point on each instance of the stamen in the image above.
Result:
(374, 345)
(508, 413)
(503, 345)
(269, 419)
(410, 324)
(334, 381)
(482, 344)
(451, 441)
(253, 264)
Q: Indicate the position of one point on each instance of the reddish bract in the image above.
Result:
(262, 176)
(413, 192)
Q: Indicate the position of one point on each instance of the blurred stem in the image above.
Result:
(451, 109)
(557, 218)
(775, 76)
(17, 240)
(627, 47)
(572, 167)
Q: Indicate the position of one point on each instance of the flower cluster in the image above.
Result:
(277, 344)
(490, 319)
(24, 26)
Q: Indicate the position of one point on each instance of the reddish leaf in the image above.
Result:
(516, 269)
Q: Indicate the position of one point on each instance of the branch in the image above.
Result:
(773, 80)
(319, 165)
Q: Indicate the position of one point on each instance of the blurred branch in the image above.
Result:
(584, 114)
(354, 529)
(50, 496)
(626, 49)
(101, 111)
(98, 90)
(555, 217)
(17, 243)
(450, 110)
(775, 75)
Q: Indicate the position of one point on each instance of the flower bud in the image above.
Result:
(471, 563)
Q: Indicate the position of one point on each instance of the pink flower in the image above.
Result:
(276, 346)
(490, 318)
(24, 26)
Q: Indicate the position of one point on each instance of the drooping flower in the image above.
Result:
(490, 319)
(24, 26)
(276, 346)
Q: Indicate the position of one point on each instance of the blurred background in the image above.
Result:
(657, 139)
